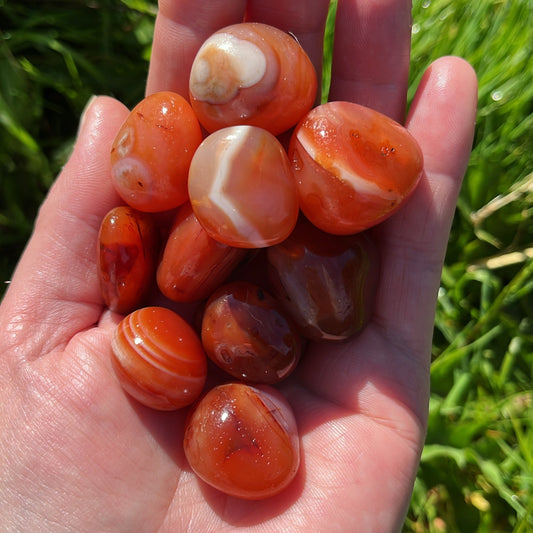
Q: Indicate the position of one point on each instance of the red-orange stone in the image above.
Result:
(193, 264)
(128, 245)
(243, 441)
(152, 151)
(158, 358)
(326, 283)
(246, 332)
(242, 189)
(354, 167)
(252, 73)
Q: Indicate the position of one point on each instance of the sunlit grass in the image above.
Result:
(476, 473)
(477, 467)
(53, 56)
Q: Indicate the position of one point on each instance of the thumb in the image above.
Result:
(54, 291)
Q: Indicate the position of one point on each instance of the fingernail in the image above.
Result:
(85, 112)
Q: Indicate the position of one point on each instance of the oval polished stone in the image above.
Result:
(242, 189)
(243, 441)
(246, 333)
(128, 245)
(327, 283)
(252, 73)
(354, 167)
(158, 358)
(152, 151)
(193, 264)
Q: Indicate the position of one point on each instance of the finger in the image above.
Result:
(180, 29)
(413, 242)
(306, 20)
(54, 292)
(384, 373)
(371, 54)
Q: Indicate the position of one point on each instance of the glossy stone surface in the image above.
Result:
(158, 358)
(152, 151)
(252, 73)
(243, 441)
(246, 333)
(354, 166)
(242, 189)
(193, 264)
(327, 283)
(128, 244)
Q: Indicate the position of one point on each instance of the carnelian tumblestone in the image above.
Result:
(252, 73)
(128, 243)
(327, 283)
(242, 189)
(247, 333)
(353, 166)
(158, 358)
(243, 441)
(152, 151)
(193, 264)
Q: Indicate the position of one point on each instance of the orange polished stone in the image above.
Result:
(252, 73)
(193, 264)
(152, 151)
(354, 167)
(128, 244)
(326, 283)
(246, 332)
(159, 359)
(243, 441)
(242, 189)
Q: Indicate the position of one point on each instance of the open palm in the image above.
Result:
(78, 455)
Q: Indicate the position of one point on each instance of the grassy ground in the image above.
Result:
(477, 466)
(476, 473)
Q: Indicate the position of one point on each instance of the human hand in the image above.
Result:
(78, 455)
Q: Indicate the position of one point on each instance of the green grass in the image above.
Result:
(476, 473)
(477, 467)
(53, 56)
